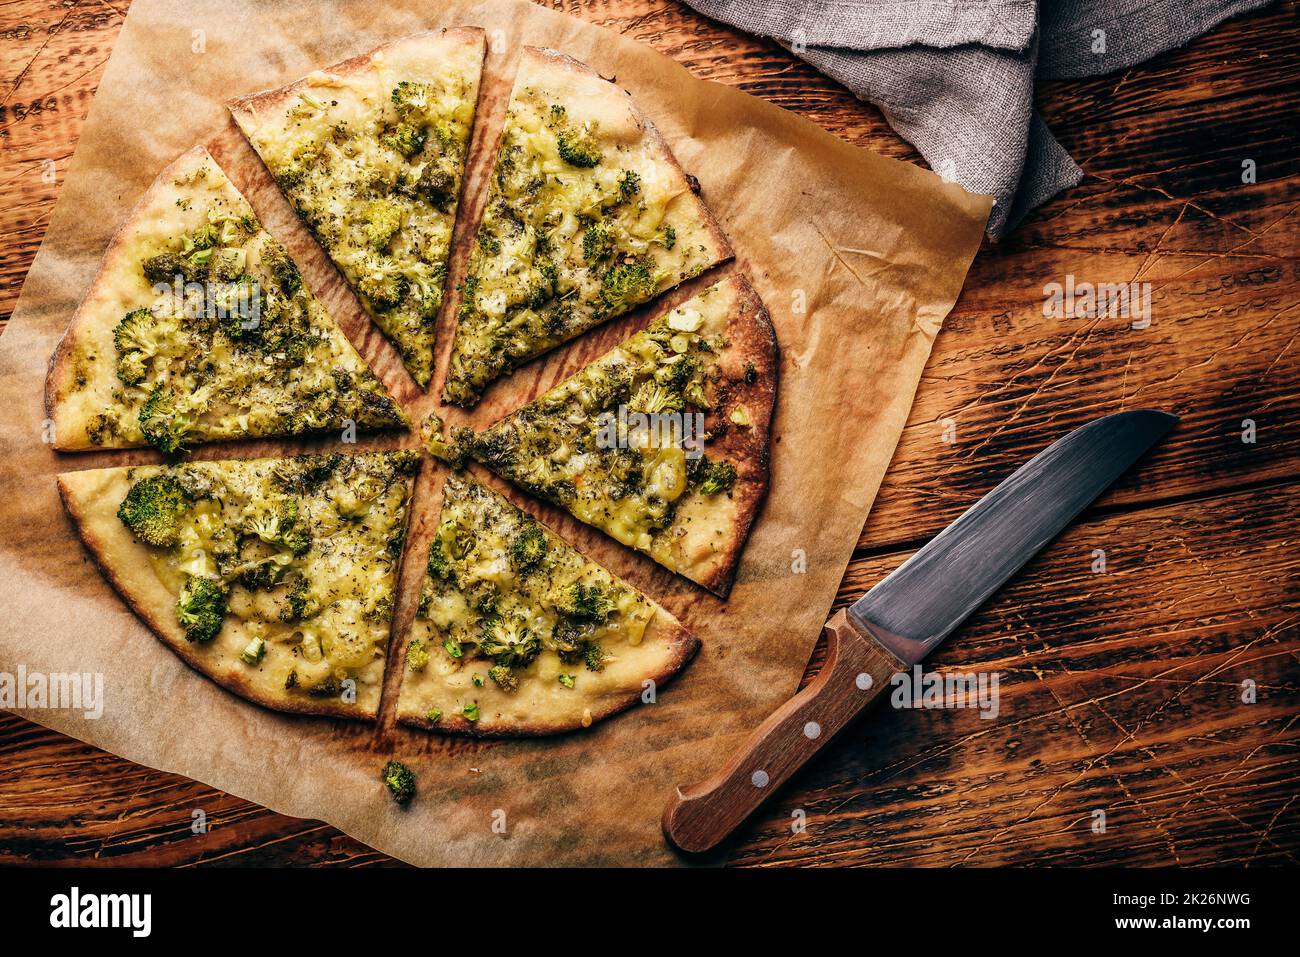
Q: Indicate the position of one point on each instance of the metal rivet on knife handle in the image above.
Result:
(900, 620)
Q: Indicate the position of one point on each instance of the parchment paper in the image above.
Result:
(859, 258)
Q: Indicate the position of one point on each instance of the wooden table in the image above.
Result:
(1121, 690)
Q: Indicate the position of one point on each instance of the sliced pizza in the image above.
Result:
(273, 577)
(371, 152)
(588, 215)
(662, 443)
(517, 633)
(199, 327)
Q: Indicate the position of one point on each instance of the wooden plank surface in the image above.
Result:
(1120, 691)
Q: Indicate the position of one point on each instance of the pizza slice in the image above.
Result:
(371, 152)
(517, 633)
(588, 215)
(273, 577)
(662, 443)
(199, 327)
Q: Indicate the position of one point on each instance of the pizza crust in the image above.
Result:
(753, 340)
(94, 320)
(540, 704)
(458, 50)
(573, 78)
(468, 42)
(677, 647)
(91, 499)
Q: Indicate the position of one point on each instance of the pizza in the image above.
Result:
(661, 443)
(588, 215)
(199, 327)
(371, 153)
(517, 633)
(273, 577)
(277, 577)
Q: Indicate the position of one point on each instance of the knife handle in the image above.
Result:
(857, 669)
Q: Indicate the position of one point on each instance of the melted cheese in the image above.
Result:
(372, 161)
(290, 371)
(586, 218)
(582, 445)
(488, 604)
(324, 614)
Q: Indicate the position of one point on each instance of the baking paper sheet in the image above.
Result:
(858, 257)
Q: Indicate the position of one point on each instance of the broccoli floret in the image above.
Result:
(152, 510)
(201, 607)
(667, 238)
(163, 268)
(281, 267)
(625, 285)
(164, 421)
(629, 184)
(136, 340)
(383, 290)
(567, 680)
(433, 715)
(597, 242)
(299, 603)
(452, 647)
(584, 602)
(528, 547)
(504, 677)
(576, 150)
(409, 97)
(400, 780)
(508, 642)
(437, 186)
(205, 237)
(438, 565)
(593, 656)
(417, 655)
(717, 477)
(261, 575)
(281, 527)
(653, 398)
(470, 711)
(453, 453)
(381, 219)
(406, 138)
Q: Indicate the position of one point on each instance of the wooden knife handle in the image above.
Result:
(857, 669)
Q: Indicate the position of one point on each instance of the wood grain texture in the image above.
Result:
(1120, 692)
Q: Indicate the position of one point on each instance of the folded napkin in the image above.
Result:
(956, 77)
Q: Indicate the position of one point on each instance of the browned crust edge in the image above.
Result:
(168, 634)
(682, 644)
(242, 106)
(59, 373)
(753, 339)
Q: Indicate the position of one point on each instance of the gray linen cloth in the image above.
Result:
(956, 77)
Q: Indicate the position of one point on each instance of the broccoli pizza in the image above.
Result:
(273, 577)
(199, 327)
(588, 215)
(371, 153)
(517, 633)
(661, 443)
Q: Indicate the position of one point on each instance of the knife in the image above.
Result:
(901, 620)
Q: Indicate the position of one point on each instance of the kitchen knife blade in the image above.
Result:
(910, 611)
(929, 595)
